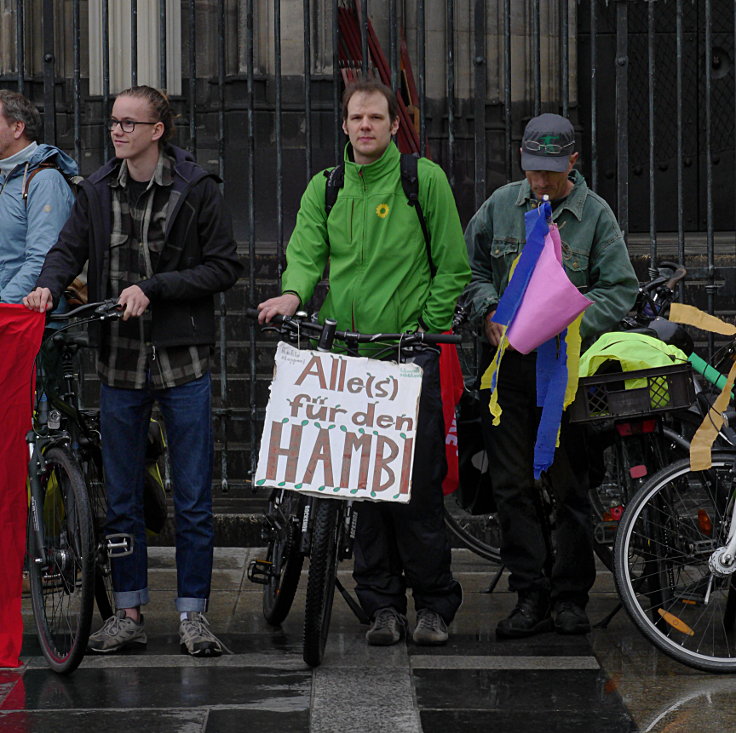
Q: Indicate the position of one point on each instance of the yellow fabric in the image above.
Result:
(692, 316)
(702, 442)
(633, 350)
(574, 342)
(487, 378)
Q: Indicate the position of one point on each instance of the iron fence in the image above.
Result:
(649, 84)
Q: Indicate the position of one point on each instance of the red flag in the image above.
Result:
(21, 331)
(451, 385)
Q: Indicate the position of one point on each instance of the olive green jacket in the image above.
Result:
(380, 277)
(594, 253)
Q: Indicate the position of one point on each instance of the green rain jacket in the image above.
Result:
(594, 253)
(380, 278)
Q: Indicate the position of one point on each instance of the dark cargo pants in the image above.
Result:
(525, 544)
(406, 545)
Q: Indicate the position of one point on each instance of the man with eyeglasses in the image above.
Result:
(155, 230)
(596, 260)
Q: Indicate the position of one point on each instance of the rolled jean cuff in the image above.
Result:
(131, 598)
(191, 604)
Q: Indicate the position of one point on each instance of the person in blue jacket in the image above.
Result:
(35, 198)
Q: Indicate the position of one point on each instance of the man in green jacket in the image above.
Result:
(596, 260)
(381, 280)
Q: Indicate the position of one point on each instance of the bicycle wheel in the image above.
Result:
(92, 468)
(669, 576)
(62, 571)
(283, 556)
(480, 533)
(323, 560)
(469, 512)
(630, 462)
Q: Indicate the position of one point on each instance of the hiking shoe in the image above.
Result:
(196, 638)
(118, 633)
(431, 629)
(530, 616)
(389, 627)
(570, 618)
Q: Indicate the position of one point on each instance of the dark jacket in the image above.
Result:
(199, 256)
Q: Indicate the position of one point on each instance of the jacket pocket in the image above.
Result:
(576, 264)
(503, 253)
(508, 247)
(120, 265)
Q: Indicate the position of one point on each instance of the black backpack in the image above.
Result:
(409, 182)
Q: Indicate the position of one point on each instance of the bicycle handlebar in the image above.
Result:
(101, 310)
(293, 325)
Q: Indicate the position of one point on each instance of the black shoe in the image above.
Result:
(529, 617)
(570, 618)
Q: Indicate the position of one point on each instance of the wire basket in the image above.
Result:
(633, 394)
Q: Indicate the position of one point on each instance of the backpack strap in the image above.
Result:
(40, 167)
(73, 181)
(410, 184)
(335, 181)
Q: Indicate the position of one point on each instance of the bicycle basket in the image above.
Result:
(633, 394)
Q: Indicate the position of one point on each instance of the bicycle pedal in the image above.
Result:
(260, 571)
(119, 544)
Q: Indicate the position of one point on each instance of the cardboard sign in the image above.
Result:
(340, 426)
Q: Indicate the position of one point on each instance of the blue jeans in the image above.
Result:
(124, 418)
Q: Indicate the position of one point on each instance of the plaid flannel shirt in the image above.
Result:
(130, 360)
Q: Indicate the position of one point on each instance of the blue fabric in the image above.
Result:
(124, 417)
(551, 386)
(536, 222)
(30, 228)
(552, 355)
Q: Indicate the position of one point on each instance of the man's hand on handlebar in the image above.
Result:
(135, 302)
(285, 305)
(39, 300)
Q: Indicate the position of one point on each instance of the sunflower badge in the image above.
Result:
(382, 210)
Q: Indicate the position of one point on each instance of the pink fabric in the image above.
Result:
(551, 302)
(20, 337)
(451, 386)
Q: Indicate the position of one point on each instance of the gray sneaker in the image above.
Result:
(196, 638)
(119, 632)
(431, 629)
(388, 628)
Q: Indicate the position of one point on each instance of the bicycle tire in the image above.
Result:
(668, 534)
(479, 533)
(62, 584)
(283, 555)
(323, 561)
(103, 592)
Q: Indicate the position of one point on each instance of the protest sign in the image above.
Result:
(340, 426)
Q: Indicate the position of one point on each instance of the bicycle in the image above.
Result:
(674, 555)
(321, 528)
(68, 549)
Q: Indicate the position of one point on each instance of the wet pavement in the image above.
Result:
(610, 680)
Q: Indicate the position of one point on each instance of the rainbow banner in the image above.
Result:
(541, 309)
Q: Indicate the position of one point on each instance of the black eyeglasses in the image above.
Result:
(534, 147)
(127, 125)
